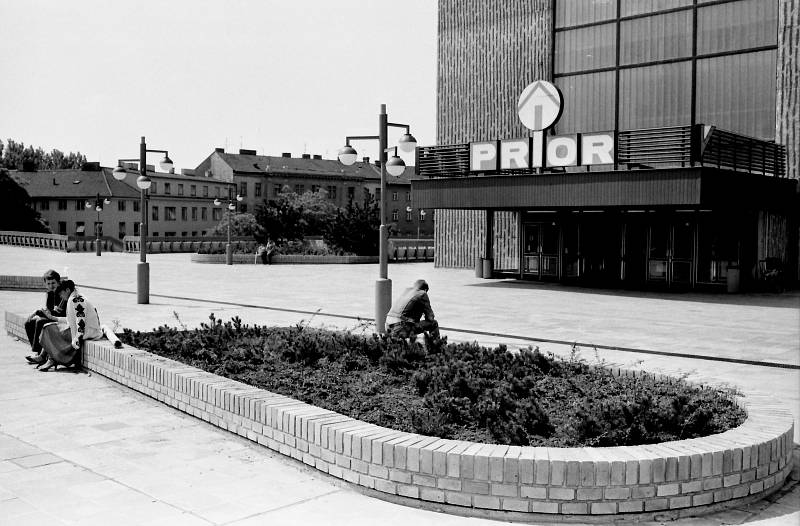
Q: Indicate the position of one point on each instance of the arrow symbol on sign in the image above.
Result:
(538, 89)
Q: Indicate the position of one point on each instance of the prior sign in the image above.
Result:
(539, 108)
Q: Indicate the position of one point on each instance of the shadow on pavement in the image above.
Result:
(787, 299)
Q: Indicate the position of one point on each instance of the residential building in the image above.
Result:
(62, 196)
(259, 178)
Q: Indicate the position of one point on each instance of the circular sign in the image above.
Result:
(540, 105)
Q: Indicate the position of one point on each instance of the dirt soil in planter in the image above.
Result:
(458, 391)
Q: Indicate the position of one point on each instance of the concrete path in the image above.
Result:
(79, 449)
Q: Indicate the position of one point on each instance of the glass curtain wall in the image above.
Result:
(630, 64)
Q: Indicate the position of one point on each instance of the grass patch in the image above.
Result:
(461, 391)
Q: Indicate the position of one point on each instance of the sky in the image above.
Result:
(193, 75)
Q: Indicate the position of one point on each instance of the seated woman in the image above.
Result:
(61, 341)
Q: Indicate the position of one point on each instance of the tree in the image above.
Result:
(242, 225)
(291, 216)
(355, 228)
(13, 155)
(17, 213)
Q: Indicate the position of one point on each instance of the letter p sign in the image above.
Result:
(483, 156)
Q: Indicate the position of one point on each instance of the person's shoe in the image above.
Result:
(35, 359)
(48, 365)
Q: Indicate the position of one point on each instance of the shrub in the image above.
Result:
(462, 391)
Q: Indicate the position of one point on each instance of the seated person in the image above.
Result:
(61, 341)
(403, 320)
(53, 306)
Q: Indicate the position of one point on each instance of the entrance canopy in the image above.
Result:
(697, 187)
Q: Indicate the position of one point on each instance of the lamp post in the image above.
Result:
(419, 218)
(98, 205)
(143, 182)
(395, 167)
(231, 208)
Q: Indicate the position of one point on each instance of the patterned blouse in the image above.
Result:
(82, 319)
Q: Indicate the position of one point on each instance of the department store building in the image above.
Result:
(674, 162)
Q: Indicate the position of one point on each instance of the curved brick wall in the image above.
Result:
(748, 462)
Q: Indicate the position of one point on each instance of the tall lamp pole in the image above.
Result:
(231, 208)
(98, 206)
(395, 167)
(143, 182)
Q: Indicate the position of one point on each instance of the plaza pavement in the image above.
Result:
(126, 459)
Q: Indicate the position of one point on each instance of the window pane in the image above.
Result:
(737, 25)
(655, 96)
(574, 12)
(638, 7)
(587, 48)
(737, 93)
(656, 37)
(588, 102)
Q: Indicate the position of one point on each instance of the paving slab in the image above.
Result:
(115, 456)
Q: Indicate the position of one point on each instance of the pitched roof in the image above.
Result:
(265, 164)
(72, 184)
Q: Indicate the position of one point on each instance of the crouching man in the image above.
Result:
(405, 317)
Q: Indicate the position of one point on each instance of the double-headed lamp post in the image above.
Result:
(143, 182)
(98, 206)
(419, 218)
(231, 208)
(395, 167)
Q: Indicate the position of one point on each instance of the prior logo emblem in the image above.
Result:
(540, 105)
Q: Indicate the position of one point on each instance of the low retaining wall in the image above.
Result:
(675, 478)
(280, 259)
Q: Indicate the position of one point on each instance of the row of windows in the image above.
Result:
(80, 228)
(171, 213)
(654, 79)
(721, 28)
(579, 12)
(80, 204)
(421, 215)
(167, 190)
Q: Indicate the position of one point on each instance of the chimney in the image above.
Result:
(306, 156)
(246, 152)
(287, 154)
(219, 150)
(317, 157)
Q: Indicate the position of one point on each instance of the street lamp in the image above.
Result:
(231, 208)
(143, 182)
(98, 205)
(420, 218)
(395, 167)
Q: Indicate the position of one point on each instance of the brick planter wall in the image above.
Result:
(678, 478)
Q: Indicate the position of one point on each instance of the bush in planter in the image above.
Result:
(461, 391)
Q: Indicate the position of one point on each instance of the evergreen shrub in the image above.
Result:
(461, 391)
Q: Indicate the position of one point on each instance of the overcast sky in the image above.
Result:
(191, 75)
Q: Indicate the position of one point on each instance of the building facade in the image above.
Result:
(673, 82)
(259, 178)
(66, 200)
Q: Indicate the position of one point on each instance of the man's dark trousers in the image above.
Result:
(33, 328)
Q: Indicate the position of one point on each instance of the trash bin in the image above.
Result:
(487, 267)
(479, 267)
(733, 279)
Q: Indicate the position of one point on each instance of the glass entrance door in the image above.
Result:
(540, 250)
(670, 249)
